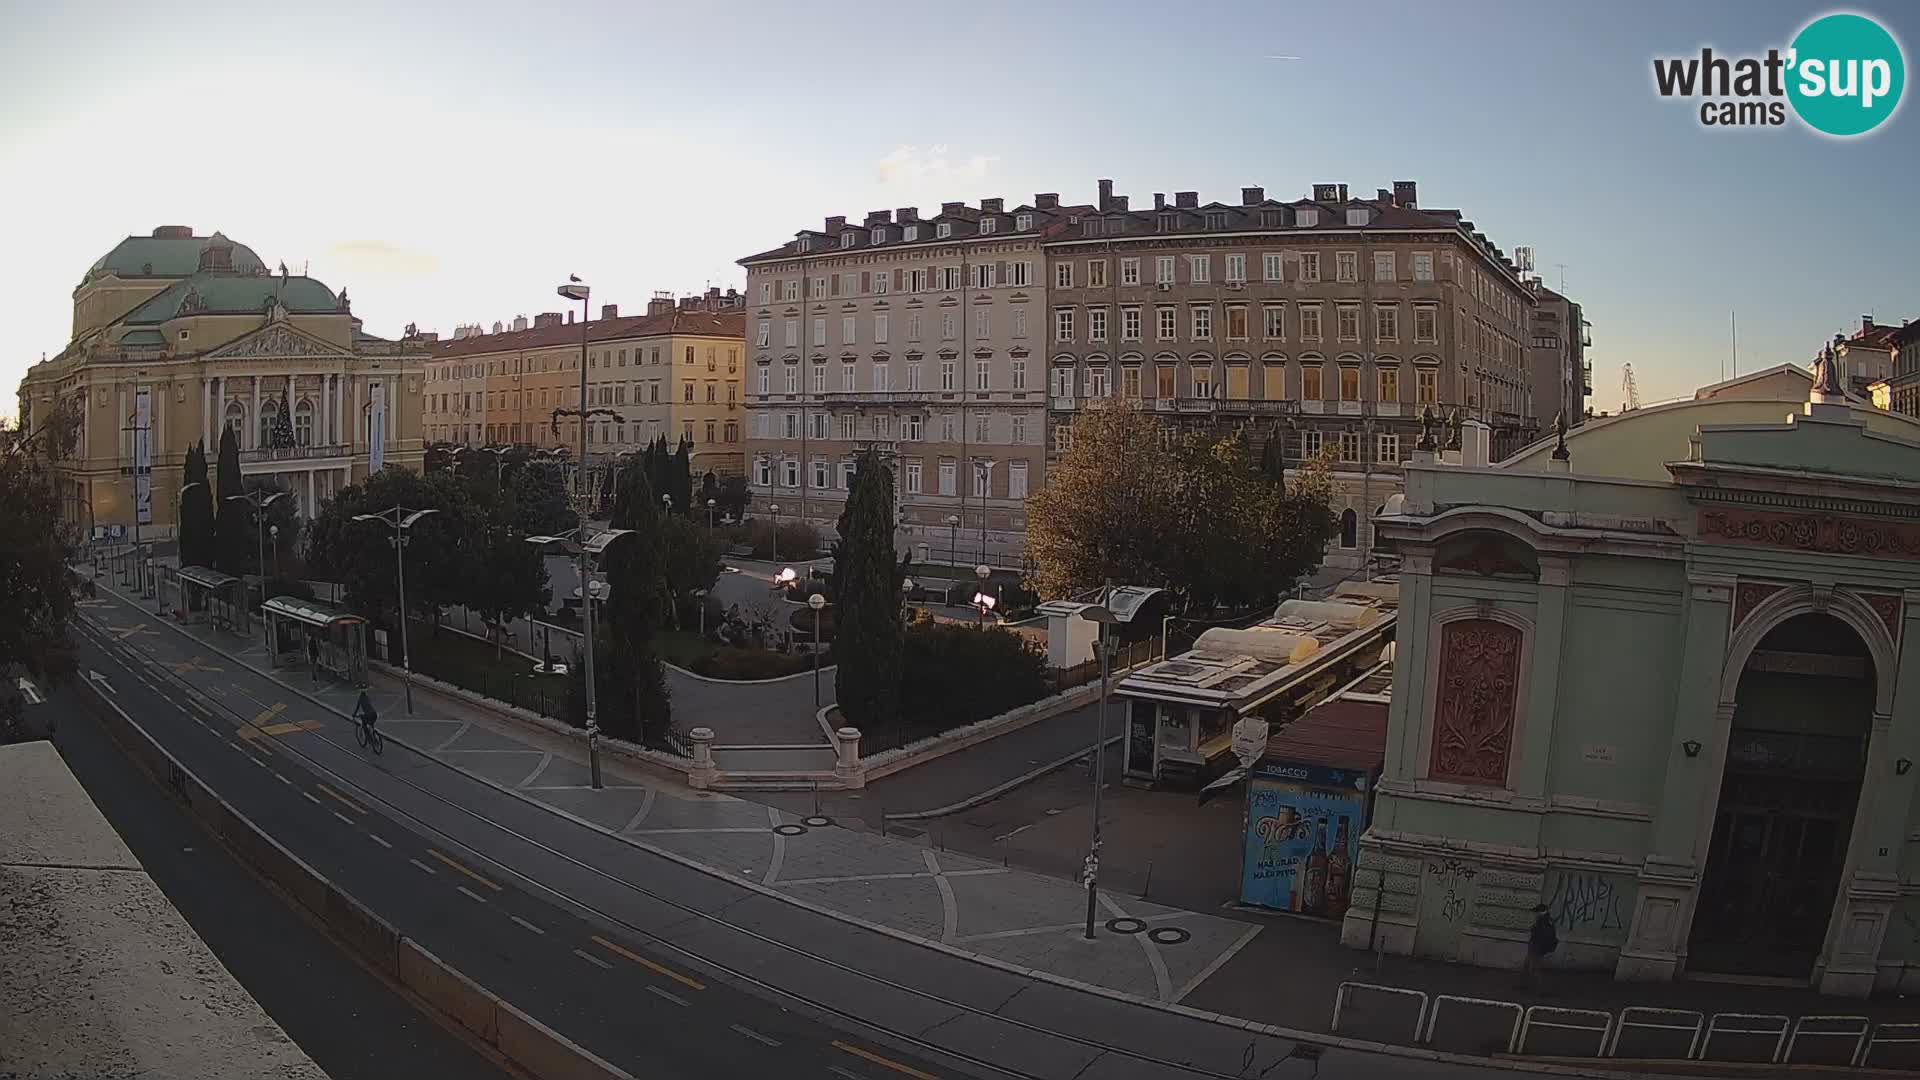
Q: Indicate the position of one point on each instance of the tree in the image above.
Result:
(733, 498)
(538, 494)
(630, 680)
(690, 562)
(196, 511)
(441, 567)
(866, 586)
(510, 580)
(680, 477)
(283, 423)
(233, 523)
(1105, 513)
(36, 588)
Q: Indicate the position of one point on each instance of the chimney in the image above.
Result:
(173, 232)
(429, 336)
(1252, 196)
(1120, 203)
(1326, 193)
(661, 304)
(1383, 195)
(1866, 324)
(879, 217)
(836, 223)
(1047, 200)
(713, 292)
(907, 215)
(1405, 193)
(569, 316)
(992, 206)
(952, 207)
(1106, 193)
(546, 319)
(1343, 193)
(609, 311)
(1186, 200)
(519, 323)
(1159, 200)
(498, 326)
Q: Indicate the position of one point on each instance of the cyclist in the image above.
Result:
(364, 713)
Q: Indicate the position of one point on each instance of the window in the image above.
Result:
(1202, 322)
(1270, 266)
(1129, 324)
(1199, 268)
(847, 377)
(911, 232)
(763, 472)
(846, 475)
(819, 472)
(910, 427)
(913, 327)
(1349, 451)
(1309, 263)
(913, 375)
(1019, 274)
(1063, 436)
(1346, 266)
(766, 378)
(1383, 266)
(1423, 266)
(1063, 382)
(1236, 268)
(790, 290)
(1097, 324)
(948, 322)
(1019, 374)
(1097, 381)
(982, 480)
(1019, 322)
(1389, 384)
(983, 374)
(947, 422)
(303, 423)
(1019, 435)
(947, 486)
(1063, 324)
(1163, 382)
(849, 284)
(819, 425)
(943, 230)
(1163, 269)
(1307, 218)
(1427, 386)
(792, 378)
(790, 473)
(1166, 323)
(1130, 382)
(882, 378)
(766, 297)
(1349, 322)
(883, 426)
(846, 330)
(846, 427)
(1389, 448)
(982, 323)
(882, 327)
(1216, 219)
(1310, 388)
(1023, 222)
(1269, 219)
(913, 477)
(1063, 275)
(882, 280)
(819, 379)
(1426, 323)
(1386, 322)
(917, 279)
(949, 278)
(988, 225)
(1096, 273)
(792, 337)
(1310, 444)
(983, 275)
(1274, 322)
(763, 335)
(1017, 480)
(846, 239)
(1236, 322)
(687, 391)
(1129, 271)
(1203, 381)
(1168, 222)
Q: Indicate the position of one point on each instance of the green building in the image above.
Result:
(1662, 676)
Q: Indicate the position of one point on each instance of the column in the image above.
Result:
(313, 496)
(1670, 875)
(253, 422)
(1534, 775)
(220, 415)
(206, 411)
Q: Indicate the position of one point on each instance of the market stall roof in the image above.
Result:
(207, 577)
(1347, 731)
(311, 612)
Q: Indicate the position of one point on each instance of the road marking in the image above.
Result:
(339, 798)
(127, 632)
(236, 746)
(258, 762)
(282, 779)
(883, 1061)
(525, 925)
(469, 893)
(592, 959)
(422, 865)
(667, 994)
(848, 1073)
(754, 1035)
(308, 795)
(658, 969)
(457, 866)
(30, 691)
(198, 663)
(344, 818)
(378, 839)
(286, 728)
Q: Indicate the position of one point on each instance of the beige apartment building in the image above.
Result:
(1330, 322)
(675, 372)
(922, 338)
(177, 337)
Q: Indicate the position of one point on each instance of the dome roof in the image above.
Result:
(172, 251)
(232, 294)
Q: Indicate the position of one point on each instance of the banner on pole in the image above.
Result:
(376, 426)
(143, 457)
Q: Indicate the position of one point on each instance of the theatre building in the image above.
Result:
(1663, 676)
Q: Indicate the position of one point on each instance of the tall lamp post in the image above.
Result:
(953, 540)
(981, 600)
(1102, 614)
(402, 520)
(817, 603)
(711, 504)
(260, 502)
(586, 555)
(774, 509)
(179, 507)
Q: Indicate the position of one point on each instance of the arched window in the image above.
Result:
(1349, 528)
(303, 423)
(237, 421)
(269, 409)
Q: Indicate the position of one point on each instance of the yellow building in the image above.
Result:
(674, 371)
(176, 336)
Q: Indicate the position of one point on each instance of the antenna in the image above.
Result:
(1629, 386)
(1563, 277)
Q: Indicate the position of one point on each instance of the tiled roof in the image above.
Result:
(1339, 733)
(1879, 337)
(1250, 218)
(730, 324)
(965, 222)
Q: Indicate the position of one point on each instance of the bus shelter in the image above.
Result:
(307, 632)
(202, 594)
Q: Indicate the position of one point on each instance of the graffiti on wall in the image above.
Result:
(1453, 879)
(1590, 904)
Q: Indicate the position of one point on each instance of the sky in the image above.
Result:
(452, 163)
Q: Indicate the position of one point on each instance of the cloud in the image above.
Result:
(909, 164)
(380, 257)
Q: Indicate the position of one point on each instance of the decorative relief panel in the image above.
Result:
(1812, 532)
(1748, 595)
(1887, 606)
(1479, 686)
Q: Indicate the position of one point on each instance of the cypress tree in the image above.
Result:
(866, 590)
(196, 511)
(630, 678)
(233, 525)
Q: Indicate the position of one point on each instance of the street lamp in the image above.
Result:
(179, 514)
(1102, 614)
(593, 549)
(700, 597)
(259, 503)
(906, 588)
(774, 509)
(402, 520)
(711, 504)
(666, 503)
(953, 539)
(816, 602)
(980, 598)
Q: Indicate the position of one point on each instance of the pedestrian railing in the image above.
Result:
(1635, 1032)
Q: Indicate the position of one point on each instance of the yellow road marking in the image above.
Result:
(658, 969)
(280, 729)
(887, 1062)
(123, 633)
(339, 798)
(272, 711)
(198, 663)
(457, 866)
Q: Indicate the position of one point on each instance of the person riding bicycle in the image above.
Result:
(364, 712)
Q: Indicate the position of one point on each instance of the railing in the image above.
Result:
(294, 453)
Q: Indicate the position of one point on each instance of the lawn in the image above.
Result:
(684, 648)
(472, 665)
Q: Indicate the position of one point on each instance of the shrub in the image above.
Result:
(798, 540)
(953, 675)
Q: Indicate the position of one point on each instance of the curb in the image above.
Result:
(542, 1051)
(997, 790)
(1234, 1022)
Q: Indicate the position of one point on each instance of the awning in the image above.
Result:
(311, 612)
(207, 577)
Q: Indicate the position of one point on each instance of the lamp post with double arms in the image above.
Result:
(259, 501)
(586, 555)
(401, 519)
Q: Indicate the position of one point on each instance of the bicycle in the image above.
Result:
(366, 734)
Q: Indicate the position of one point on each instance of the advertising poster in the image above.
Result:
(376, 426)
(143, 457)
(1303, 828)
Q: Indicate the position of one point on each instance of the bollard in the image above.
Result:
(703, 774)
(847, 766)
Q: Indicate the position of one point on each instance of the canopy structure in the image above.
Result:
(325, 638)
(203, 594)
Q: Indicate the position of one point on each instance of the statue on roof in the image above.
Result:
(1826, 371)
(1560, 436)
(1427, 441)
(345, 304)
(1454, 426)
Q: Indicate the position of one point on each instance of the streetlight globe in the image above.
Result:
(816, 601)
(906, 585)
(711, 503)
(953, 519)
(666, 501)
(773, 508)
(983, 571)
(786, 576)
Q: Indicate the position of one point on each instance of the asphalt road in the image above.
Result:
(352, 1024)
(664, 969)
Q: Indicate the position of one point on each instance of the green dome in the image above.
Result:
(234, 294)
(173, 251)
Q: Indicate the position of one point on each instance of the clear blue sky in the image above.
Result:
(452, 162)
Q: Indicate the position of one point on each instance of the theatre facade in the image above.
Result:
(1661, 675)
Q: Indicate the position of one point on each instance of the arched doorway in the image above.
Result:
(1796, 755)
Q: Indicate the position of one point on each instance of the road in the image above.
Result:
(664, 969)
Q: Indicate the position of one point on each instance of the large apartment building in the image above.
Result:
(1330, 322)
(922, 338)
(1557, 355)
(676, 371)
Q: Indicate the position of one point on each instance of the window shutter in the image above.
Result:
(899, 279)
(1000, 273)
(833, 284)
(866, 281)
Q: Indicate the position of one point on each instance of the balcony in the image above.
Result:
(872, 397)
(267, 454)
(1064, 404)
(1350, 408)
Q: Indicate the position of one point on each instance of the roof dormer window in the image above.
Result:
(806, 243)
(1216, 219)
(1308, 217)
(1168, 222)
(1023, 222)
(1357, 216)
(1269, 219)
(911, 232)
(943, 230)
(879, 235)
(846, 239)
(987, 225)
